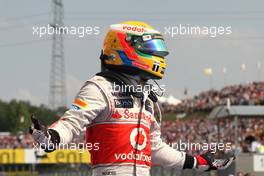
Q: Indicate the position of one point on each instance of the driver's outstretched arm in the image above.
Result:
(87, 105)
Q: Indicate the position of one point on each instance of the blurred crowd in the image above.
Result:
(19, 140)
(250, 135)
(25, 140)
(246, 94)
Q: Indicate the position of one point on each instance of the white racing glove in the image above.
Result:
(47, 139)
(207, 162)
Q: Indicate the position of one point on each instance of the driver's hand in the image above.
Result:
(207, 161)
(47, 139)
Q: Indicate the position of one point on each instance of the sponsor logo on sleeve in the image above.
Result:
(79, 104)
(75, 107)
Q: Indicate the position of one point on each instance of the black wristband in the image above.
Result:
(54, 136)
(55, 140)
(189, 162)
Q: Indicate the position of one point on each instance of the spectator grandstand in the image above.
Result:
(205, 131)
(243, 94)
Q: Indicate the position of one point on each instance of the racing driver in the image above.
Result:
(123, 121)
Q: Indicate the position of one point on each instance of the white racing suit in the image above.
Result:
(111, 118)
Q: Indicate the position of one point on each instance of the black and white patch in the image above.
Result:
(124, 103)
(148, 106)
(109, 172)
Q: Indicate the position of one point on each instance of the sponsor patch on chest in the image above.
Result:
(124, 103)
(109, 172)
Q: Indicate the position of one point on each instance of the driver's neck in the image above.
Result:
(136, 79)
